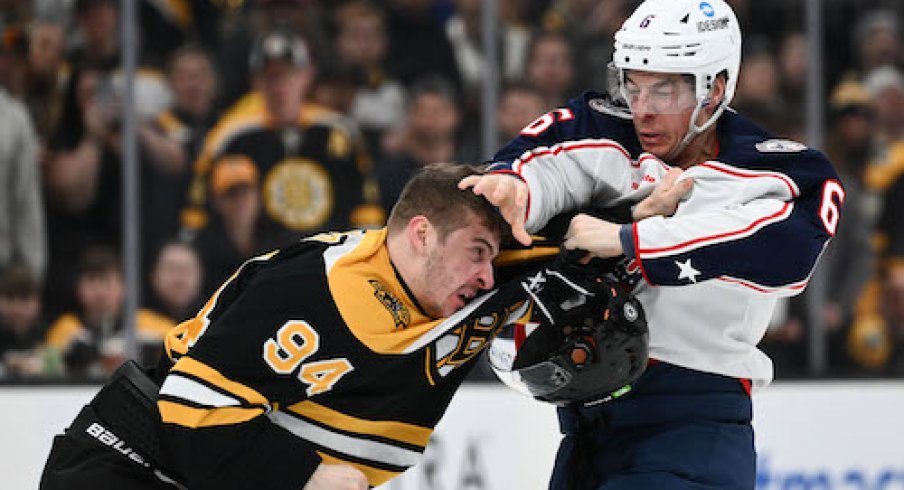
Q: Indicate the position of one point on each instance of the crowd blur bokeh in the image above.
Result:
(262, 121)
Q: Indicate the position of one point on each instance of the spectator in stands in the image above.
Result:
(418, 45)
(91, 340)
(432, 120)
(192, 76)
(886, 86)
(590, 27)
(793, 60)
(175, 281)
(249, 21)
(314, 169)
(758, 88)
(82, 172)
(336, 86)
(46, 76)
(465, 32)
(550, 67)
(21, 324)
(22, 234)
(172, 140)
(237, 230)
(878, 41)
(362, 43)
(876, 340)
(519, 105)
(98, 22)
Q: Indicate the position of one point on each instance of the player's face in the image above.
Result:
(458, 268)
(661, 106)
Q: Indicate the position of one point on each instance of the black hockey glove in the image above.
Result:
(565, 292)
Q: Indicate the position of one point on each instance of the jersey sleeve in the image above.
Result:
(553, 127)
(575, 156)
(768, 239)
(215, 401)
(577, 174)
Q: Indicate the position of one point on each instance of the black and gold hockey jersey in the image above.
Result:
(315, 176)
(314, 353)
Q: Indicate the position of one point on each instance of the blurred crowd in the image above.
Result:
(262, 121)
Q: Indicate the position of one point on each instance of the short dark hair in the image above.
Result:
(433, 192)
(98, 260)
(18, 281)
(433, 84)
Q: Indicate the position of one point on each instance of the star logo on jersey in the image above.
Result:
(687, 271)
(400, 314)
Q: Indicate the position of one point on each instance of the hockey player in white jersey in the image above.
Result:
(754, 215)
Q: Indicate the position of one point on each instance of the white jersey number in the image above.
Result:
(543, 122)
(832, 198)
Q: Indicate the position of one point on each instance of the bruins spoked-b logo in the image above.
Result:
(298, 193)
(400, 314)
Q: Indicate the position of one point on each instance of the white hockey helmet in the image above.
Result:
(700, 38)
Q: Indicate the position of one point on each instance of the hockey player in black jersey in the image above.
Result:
(324, 365)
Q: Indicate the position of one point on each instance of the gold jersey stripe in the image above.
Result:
(212, 376)
(375, 476)
(509, 257)
(399, 431)
(192, 417)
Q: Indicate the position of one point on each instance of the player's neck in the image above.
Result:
(703, 148)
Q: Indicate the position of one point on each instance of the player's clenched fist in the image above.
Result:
(336, 477)
(664, 199)
(506, 192)
(598, 237)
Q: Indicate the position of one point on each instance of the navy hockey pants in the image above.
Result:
(679, 429)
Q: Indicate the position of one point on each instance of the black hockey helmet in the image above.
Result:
(587, 361)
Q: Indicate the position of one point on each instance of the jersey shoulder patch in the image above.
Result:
(780, 146)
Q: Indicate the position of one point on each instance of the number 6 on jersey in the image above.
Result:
(294, 342)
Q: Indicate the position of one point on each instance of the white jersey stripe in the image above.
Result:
(193, 391)
(588, 144)
(752, 174)
(359, 448)
(449, 323)
(747, 230)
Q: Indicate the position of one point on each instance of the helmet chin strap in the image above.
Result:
(692, 129)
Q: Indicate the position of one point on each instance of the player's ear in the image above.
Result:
(717, 93)
(418, 233)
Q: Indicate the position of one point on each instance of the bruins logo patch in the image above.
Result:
(299, 194)
(400, 314)
(461, 344)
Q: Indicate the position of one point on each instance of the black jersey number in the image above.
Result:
(296, 341)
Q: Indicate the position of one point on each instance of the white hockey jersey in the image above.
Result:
(750, 231)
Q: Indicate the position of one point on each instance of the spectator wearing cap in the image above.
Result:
(314, 170)
(237, 229)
